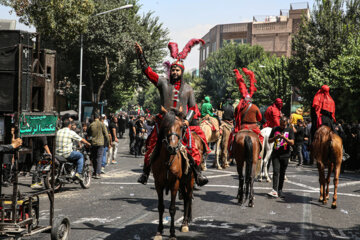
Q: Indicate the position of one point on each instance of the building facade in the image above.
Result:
(273, 33)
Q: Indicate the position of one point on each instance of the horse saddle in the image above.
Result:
(210, 121)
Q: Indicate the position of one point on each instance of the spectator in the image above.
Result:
(283, 136)
(299, 141)
(121, 125)
(114, 129)
(97, 130)
(107, 146)
(40, 145)
(140, 131)
(306, 144)
(132, 134)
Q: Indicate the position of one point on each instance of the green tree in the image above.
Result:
(319, 42)
(58, 20)
(218, 77)
(273, 81)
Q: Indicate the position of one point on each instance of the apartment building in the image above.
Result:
(273, 33)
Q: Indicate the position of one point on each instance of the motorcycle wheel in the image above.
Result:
(57, 184)
(87, 178)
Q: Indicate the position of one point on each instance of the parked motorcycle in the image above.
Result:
(65, 171)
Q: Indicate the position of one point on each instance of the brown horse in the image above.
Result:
(326, 150)
(211, 136)
(246, 148)
(171, 172)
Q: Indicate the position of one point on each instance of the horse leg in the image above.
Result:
(266, 162)
(172, 209)
(330, 169)
(217, 153)
(336, 182)
(321, 168)
(187, 209)
(252, 178)
(160, 193)
(240, 195)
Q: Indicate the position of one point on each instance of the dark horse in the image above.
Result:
(326, 150)
(246, 148)
(169, 170)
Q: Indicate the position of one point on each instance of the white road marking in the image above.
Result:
(224, 175)
(312, 190)
(345, 184)
(95, 219)
(305, 229)
(302, 185)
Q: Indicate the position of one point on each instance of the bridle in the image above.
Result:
(173, 150)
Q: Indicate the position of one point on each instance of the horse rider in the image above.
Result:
(174, 93)
(207, 108)
(273, 114)
(247, 114)
(228, 110)
(323, 113)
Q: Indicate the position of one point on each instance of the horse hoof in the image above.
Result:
(268, 180)
(321, 199)
(219, 168)
(327, 197)
(333, 206)
(158, 236)
(251, 205)
(185, 229)
(324, 202)
(172, 238)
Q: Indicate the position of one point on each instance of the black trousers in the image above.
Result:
(298, 152)
(132, 143)
(96, 158)
(279, 168)
(139, 142)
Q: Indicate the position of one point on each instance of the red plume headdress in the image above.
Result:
(174, 51)
(241, 83)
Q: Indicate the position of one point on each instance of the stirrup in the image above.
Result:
(143, 178)
(201, 180)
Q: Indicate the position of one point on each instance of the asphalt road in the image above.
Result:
(117, 207)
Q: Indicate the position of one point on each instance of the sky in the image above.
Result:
(187, 19)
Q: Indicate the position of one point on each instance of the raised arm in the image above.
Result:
(150, 74)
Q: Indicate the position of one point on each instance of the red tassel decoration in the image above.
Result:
(183, 54)
(240, 81)
(174, 50)
(251, 75)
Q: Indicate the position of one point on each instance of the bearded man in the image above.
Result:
(175, 93)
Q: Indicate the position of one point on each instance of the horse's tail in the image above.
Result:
(248, 145)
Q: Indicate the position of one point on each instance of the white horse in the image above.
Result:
(268, 147)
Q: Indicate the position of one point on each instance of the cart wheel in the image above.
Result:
(60, 229)
(87, 178)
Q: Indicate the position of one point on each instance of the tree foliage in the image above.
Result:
(320, 55)
(218, 79)
(60, 20)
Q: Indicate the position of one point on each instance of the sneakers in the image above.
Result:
(36, 185)
(273, 194)
(113, 162)
(102, 170)
(79, 176)
(97, 176)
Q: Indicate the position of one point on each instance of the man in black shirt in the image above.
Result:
(132, 133)
(114, 129)
(283, 136)
(140, 131)
(299, 141)
(122, 125)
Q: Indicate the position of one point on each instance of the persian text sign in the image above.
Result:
(37, 125)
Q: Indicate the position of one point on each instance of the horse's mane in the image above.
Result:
(169, 119)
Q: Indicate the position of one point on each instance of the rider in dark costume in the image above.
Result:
(174, 93)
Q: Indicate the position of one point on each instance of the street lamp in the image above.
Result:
(81, 52)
